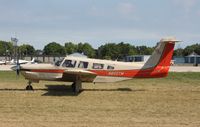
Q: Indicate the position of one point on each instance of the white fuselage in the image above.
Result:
(52, 72)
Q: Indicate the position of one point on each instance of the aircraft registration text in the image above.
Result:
(116, 73)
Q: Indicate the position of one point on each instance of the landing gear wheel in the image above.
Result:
(77, 86)
(73, 87)
(29, 87)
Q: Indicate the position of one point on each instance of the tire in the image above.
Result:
(29, 87)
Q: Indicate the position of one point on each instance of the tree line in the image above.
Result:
(107, 51)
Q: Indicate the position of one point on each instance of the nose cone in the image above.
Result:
(16, 67)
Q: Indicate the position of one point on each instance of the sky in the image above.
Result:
(138, 22)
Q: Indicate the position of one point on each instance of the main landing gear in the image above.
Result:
(77, 86)
(29, 86)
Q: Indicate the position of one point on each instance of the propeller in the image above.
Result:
(16, 68)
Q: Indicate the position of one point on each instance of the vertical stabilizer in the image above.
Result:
(163, 53)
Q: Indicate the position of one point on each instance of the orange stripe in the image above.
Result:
(156, 72)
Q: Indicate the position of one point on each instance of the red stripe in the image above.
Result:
(48, 70)
(156, 72)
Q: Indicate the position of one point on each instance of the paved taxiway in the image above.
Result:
(184, 69)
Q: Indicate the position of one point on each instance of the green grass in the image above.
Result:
(172, 101)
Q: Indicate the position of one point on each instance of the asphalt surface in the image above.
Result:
(6, 67)
(184, 69)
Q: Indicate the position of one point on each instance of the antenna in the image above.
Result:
(14, 41)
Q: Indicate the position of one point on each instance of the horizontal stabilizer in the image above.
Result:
(169, 39)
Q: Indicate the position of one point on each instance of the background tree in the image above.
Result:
(178, 52)
(54, 48)
(144, 50)
(26, 49)
(6, 48)
(2, 48)
(87, 49)
(109, 51)
(116, 51)
(192, 48)
(38, 52)
(70, 47)
(125, 49)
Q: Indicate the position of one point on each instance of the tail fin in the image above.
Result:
(12, 61)
(163, 53)
(159, 62)
(33, 60)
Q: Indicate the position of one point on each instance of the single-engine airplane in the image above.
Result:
(2, 62)
(22, 61)
(78, 70)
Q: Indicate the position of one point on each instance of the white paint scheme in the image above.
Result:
(23, 61)
(35, 76)
(2, 62)
(39, 66)
(118, 65)
(103, 79)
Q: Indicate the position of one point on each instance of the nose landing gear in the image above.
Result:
(29, 86)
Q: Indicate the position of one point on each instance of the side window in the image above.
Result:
(69, 63)
(58, 62)
(110, 67)
(97, 66)
(83, 64)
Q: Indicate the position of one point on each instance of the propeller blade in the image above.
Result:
(18, 69)
(18, 65)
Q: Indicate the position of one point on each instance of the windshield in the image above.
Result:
(58, 62)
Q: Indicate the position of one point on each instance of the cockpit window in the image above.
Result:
(110, 67)
(69, 63)
(83, 64)
(58, 62)
(97, 66)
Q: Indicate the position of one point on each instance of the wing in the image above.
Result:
(83, 75)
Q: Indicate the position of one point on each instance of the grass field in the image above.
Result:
(169, 102)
